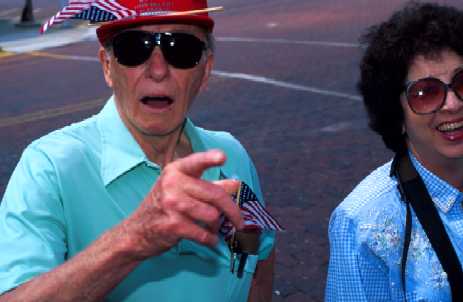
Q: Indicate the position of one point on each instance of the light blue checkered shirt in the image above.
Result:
(366, 234)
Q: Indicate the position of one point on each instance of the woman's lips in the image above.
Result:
(450, 126)
(452, 131)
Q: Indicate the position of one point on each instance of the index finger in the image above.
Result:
(195, 164)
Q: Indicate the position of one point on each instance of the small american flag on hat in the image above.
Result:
(92, 10)
(254, 213)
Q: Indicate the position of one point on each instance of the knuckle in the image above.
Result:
(155, 197)
(207, 238)
(169, 169)
(166, 180)
(217, 193)
(169, 201)
(211, 215)
(204, 237)
(173, 226)
(184, 206)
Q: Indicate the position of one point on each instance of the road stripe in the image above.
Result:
(5, 53)
(50, 113)
(60, 111)
(287, 41)
(232, 75)
(269, 81)
(62, 57)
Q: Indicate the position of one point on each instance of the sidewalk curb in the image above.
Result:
(54, 38)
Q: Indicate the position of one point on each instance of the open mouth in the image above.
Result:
(159, 102)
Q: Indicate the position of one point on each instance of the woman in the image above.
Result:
(412, 86)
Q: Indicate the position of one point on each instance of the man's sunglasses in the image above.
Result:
(134, 47)
(428, 95)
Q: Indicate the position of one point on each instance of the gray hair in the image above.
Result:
(210, 42)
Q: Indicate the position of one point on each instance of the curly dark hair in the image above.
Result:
(418, 29)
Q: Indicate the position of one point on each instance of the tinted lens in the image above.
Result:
(457, 84)
(182, 50)
(426, 95)
(132, 48)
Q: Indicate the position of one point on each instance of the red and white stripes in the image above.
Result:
(254, 214)
(76, 7)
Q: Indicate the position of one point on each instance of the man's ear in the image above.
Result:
(207, 71)
(105, 58)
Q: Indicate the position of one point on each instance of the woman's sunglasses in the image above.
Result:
(134, 47)
(428, 95)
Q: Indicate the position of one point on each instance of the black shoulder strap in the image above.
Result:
(414, 192)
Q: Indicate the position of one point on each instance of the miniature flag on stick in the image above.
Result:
(93, 10)
(254, 214)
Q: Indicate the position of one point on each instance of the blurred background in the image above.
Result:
(284, 84)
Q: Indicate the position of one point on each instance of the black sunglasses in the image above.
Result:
(134, 47)
(428, 95)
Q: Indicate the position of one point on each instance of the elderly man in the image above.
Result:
(127, 205)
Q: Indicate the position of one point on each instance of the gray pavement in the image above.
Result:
(20, 37)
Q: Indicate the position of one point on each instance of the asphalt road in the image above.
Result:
(284, 84)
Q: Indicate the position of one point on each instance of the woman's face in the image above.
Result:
(436, 139)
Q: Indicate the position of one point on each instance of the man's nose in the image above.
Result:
(157, 66)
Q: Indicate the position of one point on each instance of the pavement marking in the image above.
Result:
(231, 75)
(50, 113)
(260, 79)
(338, 127)
(67, 109)
(8, 12)
(287, 41)
(5, 53)
(62, 57)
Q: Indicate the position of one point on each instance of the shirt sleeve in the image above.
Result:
(355, 273)
(32, 228)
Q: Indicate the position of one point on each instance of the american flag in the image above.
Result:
(92, 10)
(254, 214)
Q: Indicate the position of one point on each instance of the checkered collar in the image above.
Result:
(443, 194)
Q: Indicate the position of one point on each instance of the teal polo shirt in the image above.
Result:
(75, 183)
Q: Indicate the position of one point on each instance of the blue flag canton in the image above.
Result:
(246, 194)
(94, 14)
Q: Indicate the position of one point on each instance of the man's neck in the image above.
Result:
(162, 149)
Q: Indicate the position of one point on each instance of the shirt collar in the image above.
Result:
(442, 193)
(200, 142)
(121, 152)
